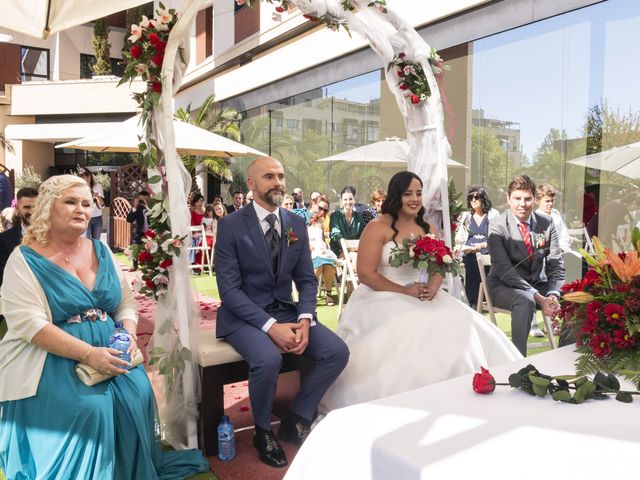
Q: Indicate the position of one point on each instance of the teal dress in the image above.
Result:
(71, 431)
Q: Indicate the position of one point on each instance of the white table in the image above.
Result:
(447, 431)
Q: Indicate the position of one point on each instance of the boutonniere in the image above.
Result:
(291, 237)
(539, 240)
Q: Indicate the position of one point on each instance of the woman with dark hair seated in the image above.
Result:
(403, 334)
(472, 237)
(345, 222)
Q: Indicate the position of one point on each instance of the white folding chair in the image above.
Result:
(349, 273)
(485, 303)
(581, 238)
(198, 233)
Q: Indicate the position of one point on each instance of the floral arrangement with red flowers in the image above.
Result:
(291, 237)
(570, 389)
(603, 309)
(145, 56)
(155, 252)
(411, 77)
(426, 253)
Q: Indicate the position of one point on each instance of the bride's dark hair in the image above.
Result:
(398, 184)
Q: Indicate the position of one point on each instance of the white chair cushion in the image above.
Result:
(213, 351)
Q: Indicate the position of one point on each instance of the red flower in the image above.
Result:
(415, 99)
(150, 233)
(145, 256)
(280, 9)
(311, 18)
(153, 38)
(454, 227)
(403, 86)
(614, 314)
(483, 382)
(400, 73)
(590, 278)
(156, 87)
(166, 263)
(150, 285)
(135, 51)
(160, 46)
(157, 59)
(601, 345)
(401, 55)
(575, 286)
(593, 310)
(623, 339)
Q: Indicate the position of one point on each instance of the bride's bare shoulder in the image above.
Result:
(379, 228)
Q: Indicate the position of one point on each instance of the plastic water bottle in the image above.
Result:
(120, 340)
(226, 440)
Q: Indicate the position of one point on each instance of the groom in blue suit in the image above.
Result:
(260, 250)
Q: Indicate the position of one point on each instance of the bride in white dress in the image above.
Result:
(402, 334)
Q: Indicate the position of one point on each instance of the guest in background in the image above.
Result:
(237, 201)
(138, 216)
(357, 206)
(346, 222)
(6, 192)
(61, 296)
(546, 198)
(248, 198)
(287, 202)
(197, 214)
(217, 199)
(95, 225)
(298, 198)
(313, 204)
(377, 197)
(6, 218)
(219, 211)
(210, 228)
(324, 260)
(472, 237)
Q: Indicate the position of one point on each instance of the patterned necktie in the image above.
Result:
(273, 240)
(524, 231)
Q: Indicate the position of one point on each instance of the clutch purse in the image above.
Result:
(90, 376)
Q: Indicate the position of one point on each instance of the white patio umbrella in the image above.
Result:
(190, 140)
(392, 151)
(41, 18)
(622, 160)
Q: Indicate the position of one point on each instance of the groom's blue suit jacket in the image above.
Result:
(244, 271)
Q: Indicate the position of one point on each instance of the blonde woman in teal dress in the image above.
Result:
(61, 294)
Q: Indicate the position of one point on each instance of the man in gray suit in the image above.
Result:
(526, 261)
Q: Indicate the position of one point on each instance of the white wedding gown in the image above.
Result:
(399, 343)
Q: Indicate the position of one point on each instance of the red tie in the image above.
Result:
(524, 231)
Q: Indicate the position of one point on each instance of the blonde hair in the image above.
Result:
(49, 191)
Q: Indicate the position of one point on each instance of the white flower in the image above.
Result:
(161, 279)
(164, 16)
(447, 259)
(158, 25)
(144, 23)
(136, 33)
(141, 68)
(408, 70)
(423, 97)
(177, 242)
(151, 245)
(411, 249)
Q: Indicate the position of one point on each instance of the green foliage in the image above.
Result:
(170, 363)
(101, 47)
(28, 178)
(4, 143)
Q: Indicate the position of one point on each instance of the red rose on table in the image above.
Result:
(156, 87)
(153, 38)
(483, 382)
(135, 51)
(415, 99)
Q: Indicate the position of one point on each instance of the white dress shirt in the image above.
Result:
(262, 214)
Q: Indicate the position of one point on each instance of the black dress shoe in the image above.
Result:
(269, 449)
(294, 429)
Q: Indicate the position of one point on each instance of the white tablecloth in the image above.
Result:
(447, 431)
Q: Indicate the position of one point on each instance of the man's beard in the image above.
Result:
(273, 197)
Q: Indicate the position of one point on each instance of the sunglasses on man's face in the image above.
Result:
(474, 196)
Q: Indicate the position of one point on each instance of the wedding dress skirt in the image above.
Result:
(398, 343)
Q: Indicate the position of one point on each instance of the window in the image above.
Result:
(373, 133)
(34, 64)
(277, 125)
(292, 124)
(87, 61)
(352, 132)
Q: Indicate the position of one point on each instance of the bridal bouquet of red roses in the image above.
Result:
(426, 253)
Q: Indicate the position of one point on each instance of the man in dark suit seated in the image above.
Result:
(260, 251)
(526, 261)
(237, 199)
(11, 238)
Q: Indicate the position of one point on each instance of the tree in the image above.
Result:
(101, 47)
(606, 128)
(4, 143)
(496, 168)
(223, 122)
